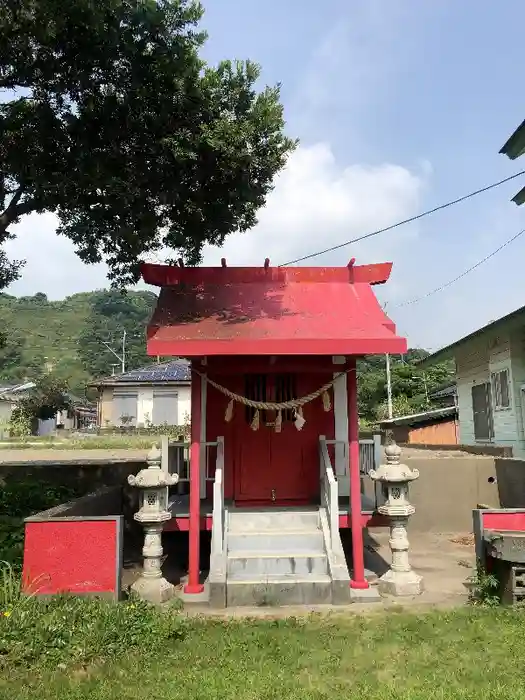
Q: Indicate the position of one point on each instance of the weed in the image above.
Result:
(483, 588)
(73, 630)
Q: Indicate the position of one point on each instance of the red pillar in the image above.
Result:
(194, 585)
(358, 574)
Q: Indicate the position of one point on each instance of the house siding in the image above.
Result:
(472, 367)
(476, 361)
(145, 399)
(6, 409)
(517, 339)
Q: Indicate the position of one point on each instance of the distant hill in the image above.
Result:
(67, 336)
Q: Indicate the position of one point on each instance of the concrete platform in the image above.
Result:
(444, 560)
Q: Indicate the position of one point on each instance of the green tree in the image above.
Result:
(11, 348)
(111, 119)
(42, 402)
(412, 387)
(112, 313)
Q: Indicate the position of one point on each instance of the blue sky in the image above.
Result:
(399, 106)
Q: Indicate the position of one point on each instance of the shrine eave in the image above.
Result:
(301, 346)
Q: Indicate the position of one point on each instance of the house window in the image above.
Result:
(501, 389)
(125, 408)
(165, 408)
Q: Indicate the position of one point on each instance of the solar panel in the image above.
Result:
(178, 371)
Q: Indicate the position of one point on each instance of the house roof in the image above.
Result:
(14, 392)
(444, 391)
(269, 311)
(448, 351)
(176, 371)
(515, 144)
(514, 148)
(434, 415)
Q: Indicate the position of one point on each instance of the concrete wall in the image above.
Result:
(144, 404)
(89, 475)
(449, 488)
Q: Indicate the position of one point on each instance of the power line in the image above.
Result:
(463, 274)
(405, 221)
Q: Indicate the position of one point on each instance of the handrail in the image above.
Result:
(369, 455)
(217, 535)
(175, 457)
(329, 491)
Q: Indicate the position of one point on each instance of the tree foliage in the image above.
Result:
(41, 403)
(111, 119)
(11, 350)
(411, 386)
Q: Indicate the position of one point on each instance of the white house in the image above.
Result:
(159, 394)
(490, 380)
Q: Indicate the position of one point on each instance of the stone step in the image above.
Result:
(272, 520)
(259, 565)
(280, 590)
(310, 540)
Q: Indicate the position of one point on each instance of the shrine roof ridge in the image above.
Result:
(171, 275)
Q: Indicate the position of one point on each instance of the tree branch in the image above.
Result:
(14, 210)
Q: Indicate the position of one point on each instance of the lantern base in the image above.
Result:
(400, 583)
(154, 590)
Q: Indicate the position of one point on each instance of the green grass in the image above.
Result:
(465, 653)
(117, 442)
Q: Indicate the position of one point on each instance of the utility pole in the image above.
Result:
(121, 358)
(388, 386)
(426, 388)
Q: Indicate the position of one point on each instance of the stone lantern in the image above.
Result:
(152, 514)
(400, 579)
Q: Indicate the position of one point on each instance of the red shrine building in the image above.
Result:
(274, 456)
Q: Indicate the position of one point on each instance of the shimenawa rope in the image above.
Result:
(292, 404)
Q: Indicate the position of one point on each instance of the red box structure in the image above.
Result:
(80, 555)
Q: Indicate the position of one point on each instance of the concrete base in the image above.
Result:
(364, 595)
(278, 592)
(154, 590)
(218, 594)
(400, 583)
(341, 592)
(202, 598)
(371, 577)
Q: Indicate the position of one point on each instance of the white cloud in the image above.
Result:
(317, 204)
(51, 264)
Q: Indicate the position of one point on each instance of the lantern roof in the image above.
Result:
(267, 310)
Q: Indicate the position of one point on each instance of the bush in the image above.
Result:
(75, 631)
(18, 500)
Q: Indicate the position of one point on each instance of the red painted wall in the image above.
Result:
(72, 556)
(503, 520)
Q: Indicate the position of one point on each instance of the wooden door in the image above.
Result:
(482, 412)
(269, 465)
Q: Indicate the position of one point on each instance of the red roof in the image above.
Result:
(269, 311)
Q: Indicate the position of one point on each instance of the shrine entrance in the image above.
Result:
(269, 466)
